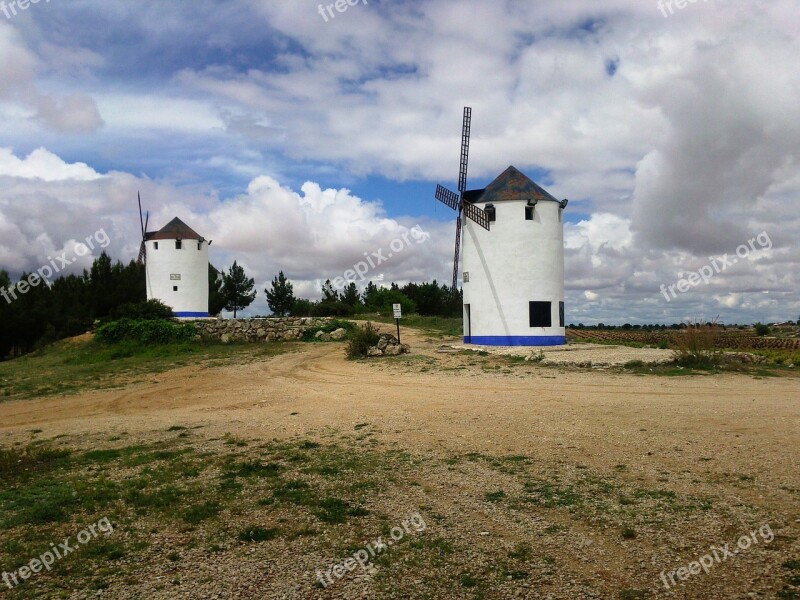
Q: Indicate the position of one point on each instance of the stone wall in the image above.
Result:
(258, 330)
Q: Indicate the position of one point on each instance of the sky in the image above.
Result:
(301, 139)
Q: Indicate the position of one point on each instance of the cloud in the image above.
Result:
(70, 113)
(44, 165)
(257, 129)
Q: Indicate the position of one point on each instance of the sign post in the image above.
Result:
(398, 313)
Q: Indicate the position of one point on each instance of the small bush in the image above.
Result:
(761, 329)
(309, 334)
(257, 534)
(151, 310)
(697, 346)
(361, 340)
(147, 332)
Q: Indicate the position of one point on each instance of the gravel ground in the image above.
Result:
(578, 355)
(534, 482)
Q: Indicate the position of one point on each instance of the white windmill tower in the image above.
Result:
(513, 258)
(176, 264)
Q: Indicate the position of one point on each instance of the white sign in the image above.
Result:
(397, 311)
(175, 277)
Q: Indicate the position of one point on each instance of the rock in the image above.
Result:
(319, 335)
(392, 350)
(374, 351)
(383, 341)
(339, 334)
(225, 338)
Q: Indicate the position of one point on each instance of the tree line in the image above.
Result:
(71, 304)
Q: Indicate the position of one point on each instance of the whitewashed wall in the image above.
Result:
(518, 261)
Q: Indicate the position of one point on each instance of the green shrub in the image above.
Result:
(361, 340)
(151, 310)
(330, 308)
(761, 329)
(146, 332)
(697, 346)
(309, 334)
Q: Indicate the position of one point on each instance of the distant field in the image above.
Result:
(726, 339)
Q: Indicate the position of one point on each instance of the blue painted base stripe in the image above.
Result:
(517, 340)
(196, 315)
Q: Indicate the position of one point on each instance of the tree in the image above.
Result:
(761, 329)
(350, 296)
(281, 298)
(328, 293)
(216, 292)
(238, 289)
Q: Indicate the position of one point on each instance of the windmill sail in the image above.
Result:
(456, 201)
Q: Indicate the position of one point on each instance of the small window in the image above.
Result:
(174, 288)
(178, 245)
(199, 246)
(155, 245)
(539, 313)
(491, 214)
(561, 314)
(529, 213)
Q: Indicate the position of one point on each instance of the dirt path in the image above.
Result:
(599, 417)
(705, 432)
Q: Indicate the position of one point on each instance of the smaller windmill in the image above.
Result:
(457, 201)
(143, 223)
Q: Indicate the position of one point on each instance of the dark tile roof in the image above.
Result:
(174, 230)
(512, 184)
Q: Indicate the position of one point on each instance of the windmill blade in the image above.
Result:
(146, 223)
(465, 131)
(447, 197)
(457, 255)
(141, 222)
(142, 253)
(476, 214)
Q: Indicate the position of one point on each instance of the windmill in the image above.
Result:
(143, 223)
(457, 201)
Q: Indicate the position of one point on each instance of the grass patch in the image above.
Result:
(70, 366)
(258, 534)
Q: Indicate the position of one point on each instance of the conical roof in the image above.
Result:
(174, 230)
(512, 184)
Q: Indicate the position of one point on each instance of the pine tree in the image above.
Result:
(328, 293)
(281, 298)
(216, 292)
(350, 296)
(238, 289)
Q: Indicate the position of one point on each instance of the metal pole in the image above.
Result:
(398, 330)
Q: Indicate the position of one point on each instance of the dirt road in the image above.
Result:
(703, 432)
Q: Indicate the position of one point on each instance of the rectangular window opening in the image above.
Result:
(529, 213)
(539, 314)
(174, 288)
(178, 245)
(155, 245)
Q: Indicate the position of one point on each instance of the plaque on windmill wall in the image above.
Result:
(466, 276)
(175, 277)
